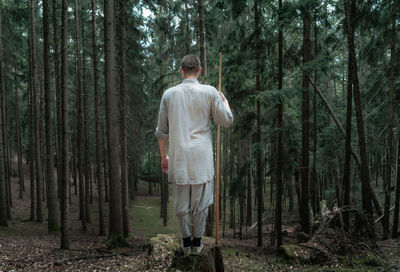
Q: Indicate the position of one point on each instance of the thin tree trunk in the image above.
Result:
(35, 100)
(395, 232)
(313, 187)
(58, 91)
(187, 33)
(64, 138)
(122, 107)
(86, 141)
(202, 30)
(346, 174)
(366, 188)
(100, 191)
(19, 142)
(3, 202)
(79, 142)
(249, 216)
(105, 165)
(389, 163)
(115, 229)
(51, 189)
(305, 136)
(279, 181)
(31, 124)
(260, 202)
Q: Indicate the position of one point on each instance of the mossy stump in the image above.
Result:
(165, 252)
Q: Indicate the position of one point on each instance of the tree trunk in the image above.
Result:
(19, 141)
(64, 138)
(115, 230)
(260, 201)
(51, 187)
(346, 173)
(100, 192)
(313, 187)
(3, 203)
(395, 233)
(279, 181)
(86, 141)
(105, 165)
(305, 135)
(188, 41)
(366, 190)
(122, 107)
(58, 92)
(31, 124)
(38, 169)
(389, 163)
(202, 30)
(79, 125)
(249, 216)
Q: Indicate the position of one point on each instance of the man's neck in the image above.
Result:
(190, 77)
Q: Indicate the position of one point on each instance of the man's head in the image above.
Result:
(190, 66)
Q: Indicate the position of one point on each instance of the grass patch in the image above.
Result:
(146, 220)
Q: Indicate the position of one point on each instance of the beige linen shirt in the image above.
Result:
(185, 121)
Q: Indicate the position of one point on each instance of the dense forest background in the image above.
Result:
(313, 86)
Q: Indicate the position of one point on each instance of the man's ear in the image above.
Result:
(199, 72)
(181, 71)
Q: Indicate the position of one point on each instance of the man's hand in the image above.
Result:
(164, 164)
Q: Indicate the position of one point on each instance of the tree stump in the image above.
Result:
(165, 252)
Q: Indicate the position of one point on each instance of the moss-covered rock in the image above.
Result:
(165, 251)
(304, 254)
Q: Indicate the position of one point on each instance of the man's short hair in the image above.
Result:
(190, 64)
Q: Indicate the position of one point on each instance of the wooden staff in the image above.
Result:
(218, 155)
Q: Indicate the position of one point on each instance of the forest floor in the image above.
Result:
(26, 245)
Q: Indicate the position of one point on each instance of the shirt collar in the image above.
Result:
(190, 80)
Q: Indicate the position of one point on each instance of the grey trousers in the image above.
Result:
(191, 207)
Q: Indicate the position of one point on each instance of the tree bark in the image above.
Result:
(346, 173)
(366, 192)
(386, 218)
(58, 92)
(395, 232)
(51, 189)
(115, 228)
(314, 187)
(3, 202)
(260, 201)
(86, 139)
(122, 96)
(35, 100)
(187, 33)
(64, 138)
(305, 135)
(31, 121)
(79, 123)
(279, 181)
(19, 141)
(100, 191)
(202, 28)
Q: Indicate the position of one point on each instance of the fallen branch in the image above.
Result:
(380, 217)
(83, 258)
(375, 199)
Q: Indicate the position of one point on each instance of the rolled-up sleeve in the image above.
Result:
(220, 114)
(162, 129)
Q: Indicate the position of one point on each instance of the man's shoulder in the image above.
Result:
(170, 90)
(207, 88)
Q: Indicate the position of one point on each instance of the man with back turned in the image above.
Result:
(184, 123)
